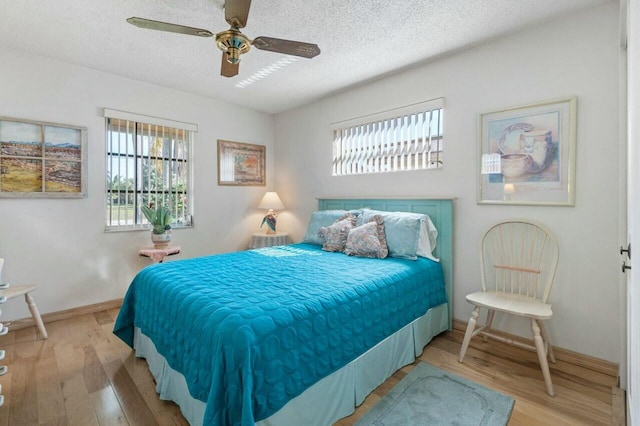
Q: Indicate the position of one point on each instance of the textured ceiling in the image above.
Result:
(359, 39)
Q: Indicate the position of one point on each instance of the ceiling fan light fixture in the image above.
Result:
(233, 55)
(233, 43)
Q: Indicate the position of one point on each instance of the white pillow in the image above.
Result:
(427, 240)
(409, 235)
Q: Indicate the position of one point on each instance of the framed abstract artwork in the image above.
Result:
(40, 159)
(527, 154)
(241, 164)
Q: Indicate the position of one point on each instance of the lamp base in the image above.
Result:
(270, 220)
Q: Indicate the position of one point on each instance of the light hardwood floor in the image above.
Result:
(84, 375)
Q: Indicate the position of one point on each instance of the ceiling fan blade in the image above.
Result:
(165, 26)
(288, 47)
(227, 69)
(236, 12)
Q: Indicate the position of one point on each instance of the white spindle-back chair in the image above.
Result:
(518, 261)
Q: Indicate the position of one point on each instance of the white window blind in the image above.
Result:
(148, 163)
(408, 138)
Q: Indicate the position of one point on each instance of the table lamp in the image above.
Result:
(270, 202)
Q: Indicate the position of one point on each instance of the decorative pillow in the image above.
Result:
(318, 220)
(402, 230)
(323, 230)
(368, 240)
(351, 217)
(335, 236)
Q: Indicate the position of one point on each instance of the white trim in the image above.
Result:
(147, 119)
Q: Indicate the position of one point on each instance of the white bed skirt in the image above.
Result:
(331, 398)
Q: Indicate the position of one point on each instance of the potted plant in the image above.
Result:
(160, 218)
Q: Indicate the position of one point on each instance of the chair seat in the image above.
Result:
(17, 290)
(511, 303)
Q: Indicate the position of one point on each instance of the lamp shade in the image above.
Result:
(271, 201)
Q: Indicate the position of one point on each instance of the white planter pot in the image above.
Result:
(161, 241)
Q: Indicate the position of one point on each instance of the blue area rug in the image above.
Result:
(431, 396)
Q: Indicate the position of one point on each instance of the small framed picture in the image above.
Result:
(241, 164)
(527, 154)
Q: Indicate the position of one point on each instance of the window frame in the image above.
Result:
(389, 141)
(175, 133)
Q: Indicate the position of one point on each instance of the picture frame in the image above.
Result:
(39, 159)
(527, 154)
(241, 164)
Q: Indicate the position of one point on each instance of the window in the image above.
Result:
(408, 138)
(148, 163)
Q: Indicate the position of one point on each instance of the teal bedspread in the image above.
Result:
(251, 330)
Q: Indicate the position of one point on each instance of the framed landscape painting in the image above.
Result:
(241, 164)
(527, 154)
(40, 159)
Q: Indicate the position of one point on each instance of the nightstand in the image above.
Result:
(262, 239)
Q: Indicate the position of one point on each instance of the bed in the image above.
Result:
(287, 335)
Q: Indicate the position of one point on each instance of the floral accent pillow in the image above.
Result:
(368, 240)
(334, 237)
(319, 219)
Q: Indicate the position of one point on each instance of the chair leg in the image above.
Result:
(467, 335)
(547, 341)
(36, 315)
(542, 356)
(490, 315)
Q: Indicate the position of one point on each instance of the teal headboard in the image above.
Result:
(439, 210)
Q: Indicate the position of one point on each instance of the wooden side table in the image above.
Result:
(262, 239)
(158, 255)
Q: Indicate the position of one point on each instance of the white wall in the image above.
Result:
(60, 245)
(574, 56)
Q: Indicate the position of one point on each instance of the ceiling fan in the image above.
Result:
(232, 42)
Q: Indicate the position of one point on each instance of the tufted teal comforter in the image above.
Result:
(251, 330)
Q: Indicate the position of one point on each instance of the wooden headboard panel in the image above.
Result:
(439, 210)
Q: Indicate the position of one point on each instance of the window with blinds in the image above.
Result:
(147, 164)
(408, 138)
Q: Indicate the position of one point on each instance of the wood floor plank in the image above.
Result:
(93, 372)
(5, 381)
(108, 346)
(69, 359)
(26, 335)
(49, 392)
(23, 409)
(132, 402)
(165, 412)
(78, 402)
(107, 408)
